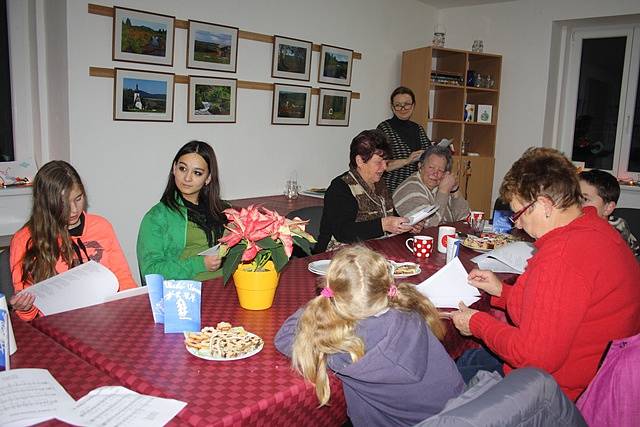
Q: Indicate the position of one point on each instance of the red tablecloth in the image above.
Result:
(120, 339)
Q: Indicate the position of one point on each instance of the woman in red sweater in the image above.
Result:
(60, 235)
(579, 291)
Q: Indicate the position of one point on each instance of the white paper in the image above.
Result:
(87, 284)
(128, 293)
(30, 396)
(510, 258)
(119, 406)
(423, 213)
(448, 286)
(211, 251)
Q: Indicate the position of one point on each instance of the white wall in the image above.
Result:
(124, 165)
(521, 32)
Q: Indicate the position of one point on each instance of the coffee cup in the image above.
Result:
(444, 232)
(421, 246)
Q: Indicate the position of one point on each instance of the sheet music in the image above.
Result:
(511, 258)
(448, 286)
(30, 396)
(119, 406)
(87, 284)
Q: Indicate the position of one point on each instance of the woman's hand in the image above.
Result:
(448, 183)
(414, 156)
(22, 301)
(395, 224)
(462, 318)
(417, 228)
(212, 262)
(485, 280)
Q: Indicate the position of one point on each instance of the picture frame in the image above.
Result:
(469, 112)
(212, 100)
(291, 104)
(291, 58)
(212, 46)
(143, 95)
(334, 107)
(335, 65)
(484, 113)
(145, 37)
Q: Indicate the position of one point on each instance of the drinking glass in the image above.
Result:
(291, 189)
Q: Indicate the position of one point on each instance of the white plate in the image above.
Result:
(225, 359)
(482, 251)
(398, 264)
(319, 267)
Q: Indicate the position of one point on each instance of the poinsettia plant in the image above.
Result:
(256, 235)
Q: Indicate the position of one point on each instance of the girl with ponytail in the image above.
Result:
(380, 339)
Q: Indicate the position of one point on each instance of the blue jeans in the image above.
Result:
(477, 359)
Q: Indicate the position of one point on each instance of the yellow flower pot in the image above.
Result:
(256, 289)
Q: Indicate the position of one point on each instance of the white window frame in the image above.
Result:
(629, 86)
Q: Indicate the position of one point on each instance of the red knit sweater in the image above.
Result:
(580, 290)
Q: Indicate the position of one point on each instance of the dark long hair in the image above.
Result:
(209, 195)
(49, 221)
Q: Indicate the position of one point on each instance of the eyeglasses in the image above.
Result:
(400, 107)
(516, 216)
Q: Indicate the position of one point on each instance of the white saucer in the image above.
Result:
(319, 267)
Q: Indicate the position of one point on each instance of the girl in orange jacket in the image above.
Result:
(60, 235)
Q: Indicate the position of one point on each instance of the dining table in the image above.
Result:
(119, 343)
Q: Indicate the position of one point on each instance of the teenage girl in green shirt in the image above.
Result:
(187, 220)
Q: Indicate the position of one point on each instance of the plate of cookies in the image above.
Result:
(223, 343)
(487, 242)
(404, 269)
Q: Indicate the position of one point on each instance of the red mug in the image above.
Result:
(421, 246)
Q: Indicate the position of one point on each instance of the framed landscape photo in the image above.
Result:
(291, 105)
(291, 58)
(140, 36)
(212, 46)
(335, 65)
(334, 107)
(143, 95)
(212, 100)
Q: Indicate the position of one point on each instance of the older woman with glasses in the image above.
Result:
(432, 184)
(407, 139)
(579, 290)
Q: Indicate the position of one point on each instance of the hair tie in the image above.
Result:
(326, 292)
(393, 291)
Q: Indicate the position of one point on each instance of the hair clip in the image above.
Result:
(327, 292)
(393, 291)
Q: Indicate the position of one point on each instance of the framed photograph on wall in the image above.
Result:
(212, 100)
(334, 107)
(145, 37)
(212, 46)
(484, 113)
(143, 95)
(291, 105)
(291, 58)
(335, 65)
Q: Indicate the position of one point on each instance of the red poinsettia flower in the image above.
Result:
(259, 233)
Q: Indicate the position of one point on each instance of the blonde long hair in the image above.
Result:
(359, 280)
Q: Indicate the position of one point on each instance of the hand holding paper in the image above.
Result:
(448, 286)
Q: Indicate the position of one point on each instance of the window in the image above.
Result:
(602, 104)
(6, 122)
